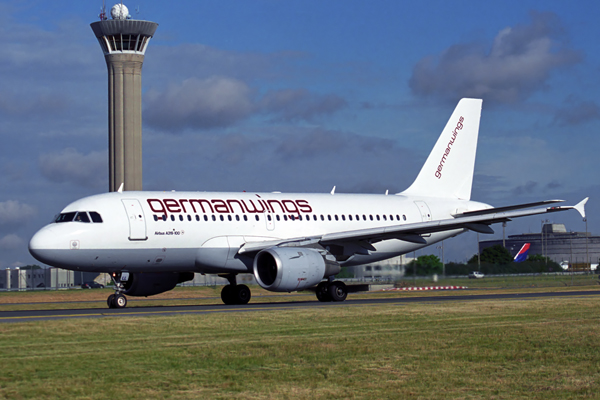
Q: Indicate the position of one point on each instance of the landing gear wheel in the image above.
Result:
(120, 301)
(322, 292)
(337, 291)
(242, 294)
(238, 294)
(111, 301)
(227, 296)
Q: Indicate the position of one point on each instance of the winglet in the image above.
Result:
(120, 190)
(580, 207)
(333, 190)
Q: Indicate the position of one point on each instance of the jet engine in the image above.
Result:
(151, 283)
(287, 269)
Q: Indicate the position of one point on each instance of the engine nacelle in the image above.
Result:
(287, 269)
(151, 283)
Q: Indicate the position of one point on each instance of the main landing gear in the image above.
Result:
(331, 291)
(234, 294)
(118, 300)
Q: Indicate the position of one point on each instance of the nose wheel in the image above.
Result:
(117, 300)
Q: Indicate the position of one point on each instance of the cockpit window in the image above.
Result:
(95, 216)
(79, 216)
(65, 217)
(82, 217)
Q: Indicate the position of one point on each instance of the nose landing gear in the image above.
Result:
(118, 300)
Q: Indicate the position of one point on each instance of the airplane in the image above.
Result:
(151, 241)
(522, 254)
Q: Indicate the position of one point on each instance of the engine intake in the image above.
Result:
(287, 269)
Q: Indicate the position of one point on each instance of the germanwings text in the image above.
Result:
(229, 206)
(459, 126)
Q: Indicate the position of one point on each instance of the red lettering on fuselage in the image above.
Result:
(229, 206)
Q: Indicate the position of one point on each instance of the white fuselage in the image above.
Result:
(202, 231)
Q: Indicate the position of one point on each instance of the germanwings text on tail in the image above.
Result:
(151, 241)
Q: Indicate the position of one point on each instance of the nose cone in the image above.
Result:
(41, 244)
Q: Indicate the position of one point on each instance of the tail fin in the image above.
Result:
(522, 254)
(448, 171)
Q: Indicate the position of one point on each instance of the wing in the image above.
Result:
(478, 221)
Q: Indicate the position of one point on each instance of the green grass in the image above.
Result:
(543, 348)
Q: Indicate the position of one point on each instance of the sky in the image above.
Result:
(301, 96)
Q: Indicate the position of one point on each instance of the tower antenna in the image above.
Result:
(103, 11)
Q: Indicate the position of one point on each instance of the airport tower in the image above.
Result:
(124, 42)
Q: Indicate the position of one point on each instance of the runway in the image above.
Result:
(42, 315)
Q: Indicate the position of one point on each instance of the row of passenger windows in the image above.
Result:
(292, 217)
(79, 216)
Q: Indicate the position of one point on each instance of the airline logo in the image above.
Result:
(459, 126)
(522, 254)
(229, 206)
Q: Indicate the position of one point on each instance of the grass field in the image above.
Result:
(542, 348)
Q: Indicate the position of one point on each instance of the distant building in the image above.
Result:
(28, 278)
(554, 242)
(391, 269)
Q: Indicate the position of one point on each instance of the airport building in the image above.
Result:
(554, 242)
(27, 278)
(124, 42)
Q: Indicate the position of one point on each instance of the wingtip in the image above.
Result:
(580, 207)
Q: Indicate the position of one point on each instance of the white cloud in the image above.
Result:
(518, 64)
(10, 242)
(69, 165)
(201, 104)
(13, 211)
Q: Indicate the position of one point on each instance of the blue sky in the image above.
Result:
(299, 96)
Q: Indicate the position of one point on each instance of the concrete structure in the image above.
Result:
(124, 42)
(27, 278)
(387, 270)
(554, 242)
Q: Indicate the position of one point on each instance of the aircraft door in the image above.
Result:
(424, 210)
(137, 222)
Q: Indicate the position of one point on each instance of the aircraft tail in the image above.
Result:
(522, 254)
(448, 171)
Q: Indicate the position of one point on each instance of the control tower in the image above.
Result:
(124, 42)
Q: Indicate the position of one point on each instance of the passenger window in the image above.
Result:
(172, 218)
(214, 218)
(197, 217)
(277, 217)
(155, 217)
(343, 217)
(189, 217)
(257, 218)
(237, 217)
(229, 218)
(164, 217)
(180, 217)
(300, 217)
(221, 217)
(384, 217)
(245, 218)
(96, 218)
